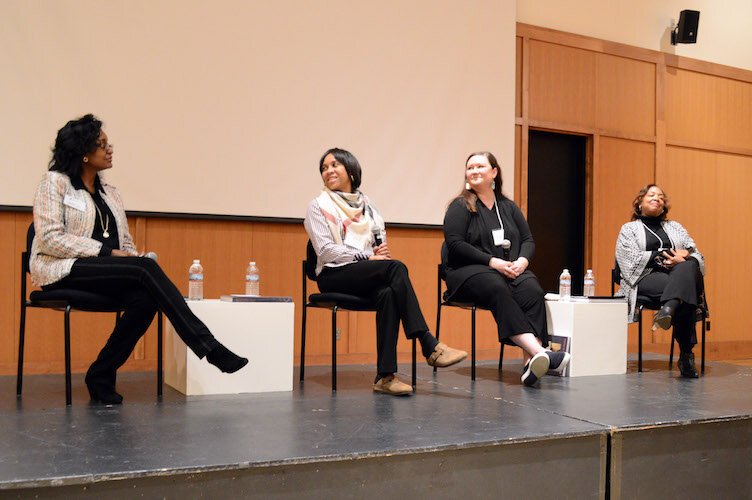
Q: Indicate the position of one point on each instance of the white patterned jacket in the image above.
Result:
(64, 219)
(633, 258)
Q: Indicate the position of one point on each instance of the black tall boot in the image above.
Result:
(687, 365)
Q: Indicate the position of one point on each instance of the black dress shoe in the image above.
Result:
(101, 394)
(687, 365)
(663, 318)
(226, 360)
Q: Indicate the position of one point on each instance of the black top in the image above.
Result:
(653, 243)
(107, 218)
(469, 240)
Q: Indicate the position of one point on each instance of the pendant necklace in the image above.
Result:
(105, 225)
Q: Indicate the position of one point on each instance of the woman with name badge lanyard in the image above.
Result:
(489, 248)
(658, 259)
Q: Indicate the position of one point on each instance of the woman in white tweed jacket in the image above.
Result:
(658, 259)
(82, 242)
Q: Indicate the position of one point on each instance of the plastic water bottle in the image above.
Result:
(589, 288)
(565, 286)
(196, 281)
(252, 279)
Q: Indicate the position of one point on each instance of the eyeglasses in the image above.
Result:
(105, 145)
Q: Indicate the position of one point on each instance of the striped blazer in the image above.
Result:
(64, 219)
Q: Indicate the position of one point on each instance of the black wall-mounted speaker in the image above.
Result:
(687, 29)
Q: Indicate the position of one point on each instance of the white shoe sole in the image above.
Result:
(538, 367)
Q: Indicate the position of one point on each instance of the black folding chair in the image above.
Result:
(472, 307)
(67, 300)
(644, 302)
(334, 302)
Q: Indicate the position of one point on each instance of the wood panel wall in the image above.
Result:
(224, 249)
(650, 117)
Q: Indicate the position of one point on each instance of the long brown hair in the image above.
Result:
(468, 195)
(636, 211)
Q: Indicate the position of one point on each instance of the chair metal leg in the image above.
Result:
(671, 352)
(413, 368)
(334, 348)
(438, 325)
(67, 357)
(302, 341)
(160, 371)
(21, 340)
(472, 345)
(639, 339)
(702, 358)
(501, 354)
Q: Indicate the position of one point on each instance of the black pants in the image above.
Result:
(517, 308)
(140, 286)
(684, 283)
(387, 283)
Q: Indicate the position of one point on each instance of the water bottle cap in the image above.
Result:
(196, 261)
(253, 262)
(590, 270)
(566, 270)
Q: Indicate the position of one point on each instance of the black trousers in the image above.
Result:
(682, 282)
(387, 283)
(517, 308)
(140, 286)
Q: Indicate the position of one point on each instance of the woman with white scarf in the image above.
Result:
(658, 259)
(347, 232)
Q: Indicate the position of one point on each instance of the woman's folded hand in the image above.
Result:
(503, 266)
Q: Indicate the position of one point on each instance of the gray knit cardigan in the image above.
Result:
(633, 258)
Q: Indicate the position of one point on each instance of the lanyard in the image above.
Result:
(496, 206)
(654, 234)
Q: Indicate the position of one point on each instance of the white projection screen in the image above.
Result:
(224, 107)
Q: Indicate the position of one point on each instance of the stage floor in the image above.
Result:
(46, 444)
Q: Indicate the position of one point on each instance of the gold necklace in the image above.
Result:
(105, 226)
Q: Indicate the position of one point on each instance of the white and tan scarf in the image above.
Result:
(350, 218)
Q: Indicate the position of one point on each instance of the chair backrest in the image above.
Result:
(444, 260)
(25, 255)
(25, 263)
(311, 262)
(615, 276)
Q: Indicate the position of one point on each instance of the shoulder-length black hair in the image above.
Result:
(468, 195)
(74, 141)
(347, 159)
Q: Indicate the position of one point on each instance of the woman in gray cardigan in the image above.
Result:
(658, 259)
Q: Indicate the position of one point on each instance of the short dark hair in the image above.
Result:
(75, 140)
(636, 211)
(469, 196)
(347, 159)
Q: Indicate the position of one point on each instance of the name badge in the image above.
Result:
(498, 236)
(73, 202)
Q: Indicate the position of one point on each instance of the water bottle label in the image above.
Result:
(566, 282)
(196, 277)
(251, 277)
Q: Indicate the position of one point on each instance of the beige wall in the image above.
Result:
(724, 36)
(225, 107)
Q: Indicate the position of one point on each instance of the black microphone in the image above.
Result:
(505, 246)
(376, 231)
